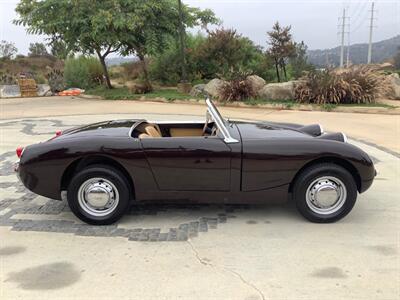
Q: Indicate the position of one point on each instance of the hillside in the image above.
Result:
(116, 61)
(35, 66)
(381, 51)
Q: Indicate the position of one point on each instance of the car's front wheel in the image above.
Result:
(325, 193)
(98, 195)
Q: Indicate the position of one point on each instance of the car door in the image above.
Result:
(189, 163)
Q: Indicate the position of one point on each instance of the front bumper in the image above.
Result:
(16, 169)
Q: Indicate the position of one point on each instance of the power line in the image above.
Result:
(361, 12)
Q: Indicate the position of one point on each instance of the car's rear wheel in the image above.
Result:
(325, 193)
(99, 195)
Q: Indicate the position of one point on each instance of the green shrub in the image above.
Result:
(166, 67)
(39, 78)
(359, 84)
(83, 72)
(133, 70)
(210, 57)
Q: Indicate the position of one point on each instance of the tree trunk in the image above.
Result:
(105, 70)
(284, 70)
(145, 72)
(277, 70)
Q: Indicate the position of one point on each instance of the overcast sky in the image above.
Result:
(315, 22)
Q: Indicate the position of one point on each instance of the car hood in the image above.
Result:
(105, 128)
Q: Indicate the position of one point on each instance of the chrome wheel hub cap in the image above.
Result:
(98, 197)
(326, 195)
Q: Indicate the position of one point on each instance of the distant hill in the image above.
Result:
(381, 51)
(115, 61)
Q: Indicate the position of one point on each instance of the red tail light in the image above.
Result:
(19, 151)
(58, 132)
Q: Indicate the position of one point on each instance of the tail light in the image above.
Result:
(58, 132)
(19, 151)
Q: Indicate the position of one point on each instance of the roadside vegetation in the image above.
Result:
(83, 35)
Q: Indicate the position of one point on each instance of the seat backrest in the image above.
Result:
(152, 131)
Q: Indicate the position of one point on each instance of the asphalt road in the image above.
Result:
(198, 252)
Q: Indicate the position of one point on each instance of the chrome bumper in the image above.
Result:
(16, 169)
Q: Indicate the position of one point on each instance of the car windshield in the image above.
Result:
(215, 112)
(219, 121)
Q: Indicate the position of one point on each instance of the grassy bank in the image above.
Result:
(125, 94)
(172, 95)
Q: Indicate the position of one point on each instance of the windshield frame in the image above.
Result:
(220, 122)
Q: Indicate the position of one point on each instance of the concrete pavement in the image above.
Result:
(230, 252)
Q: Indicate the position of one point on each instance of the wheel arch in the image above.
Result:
(83, 162)
(334, 160)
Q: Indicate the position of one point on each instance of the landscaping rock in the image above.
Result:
(393, 81)
(278, 91)
(213, 88)
(197, 90)
(44, 90)
(256, 82)
(10, 91)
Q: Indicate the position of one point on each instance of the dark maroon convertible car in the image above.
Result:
(102, 168)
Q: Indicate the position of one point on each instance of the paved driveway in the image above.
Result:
(197, 252)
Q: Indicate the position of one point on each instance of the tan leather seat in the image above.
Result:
(144, 136)
(152, 131)
(183, 132)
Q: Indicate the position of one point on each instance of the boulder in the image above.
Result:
(44, 90)
(393, 82)
(256, 82)
(278, 91)
(213, 88)
(197, 90)
(10, 91)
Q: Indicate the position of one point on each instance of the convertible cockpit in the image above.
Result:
(146, 130)
(214, 125)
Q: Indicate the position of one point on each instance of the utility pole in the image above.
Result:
(348, 49)
(342, 43)
(371, 26)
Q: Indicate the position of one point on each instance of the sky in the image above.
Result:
(314, 22)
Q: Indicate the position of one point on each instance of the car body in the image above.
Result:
(216, 161)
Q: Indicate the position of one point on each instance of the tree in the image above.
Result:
(88, 27)
(37, 49)
(7, 50)
(157, 23)
(298, 61)
(281, 47)
(104, 27)
(59, 49)
(224, 52)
